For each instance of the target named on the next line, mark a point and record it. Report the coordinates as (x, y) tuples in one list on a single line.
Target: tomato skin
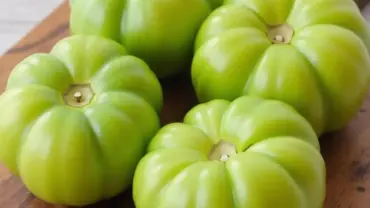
[(77, 152), (276, 163), (161, 32), (323, 70)]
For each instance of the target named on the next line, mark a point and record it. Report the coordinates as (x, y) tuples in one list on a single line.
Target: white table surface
[(17, 17)]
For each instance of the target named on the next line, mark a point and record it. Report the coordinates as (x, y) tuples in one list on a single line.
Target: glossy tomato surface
[(311, 54), (249, 153), (75, 121), (161, 32)]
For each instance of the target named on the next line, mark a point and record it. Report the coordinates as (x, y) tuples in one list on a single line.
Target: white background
[(17, 17)]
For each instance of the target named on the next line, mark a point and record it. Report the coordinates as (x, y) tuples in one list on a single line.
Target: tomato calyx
[(222, 151), (280, 34), (78, 95)]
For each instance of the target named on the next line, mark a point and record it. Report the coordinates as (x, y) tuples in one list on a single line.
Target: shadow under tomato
[(179, 97)]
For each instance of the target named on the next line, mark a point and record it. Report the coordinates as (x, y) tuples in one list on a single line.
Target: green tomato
[(75, 122), (248, 153), (161, 32), (215, 3), (311, 54)]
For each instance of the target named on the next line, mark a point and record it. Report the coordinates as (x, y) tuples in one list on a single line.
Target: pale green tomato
[(311, 54), (75, 122), (250, 153), (161, 32)]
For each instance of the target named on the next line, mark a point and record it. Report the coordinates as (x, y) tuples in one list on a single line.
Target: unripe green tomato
[(311, 54), (75, 122), (248, 153), (161, 32)]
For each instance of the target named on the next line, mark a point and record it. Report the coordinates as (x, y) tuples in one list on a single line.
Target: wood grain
[(11, 32), (346, 152)]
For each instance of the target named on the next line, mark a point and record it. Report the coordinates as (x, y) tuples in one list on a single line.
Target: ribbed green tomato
[(75, 122), (161, 32), (311, 54), (247, 153), (215, 3)]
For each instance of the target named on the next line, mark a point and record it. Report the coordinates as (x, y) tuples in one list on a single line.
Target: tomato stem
[(78, 95), (224, 158), (222, 151), (281, 34), (279, 38)]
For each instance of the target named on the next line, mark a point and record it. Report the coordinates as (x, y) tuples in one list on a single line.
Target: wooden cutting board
[(347, 152)]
